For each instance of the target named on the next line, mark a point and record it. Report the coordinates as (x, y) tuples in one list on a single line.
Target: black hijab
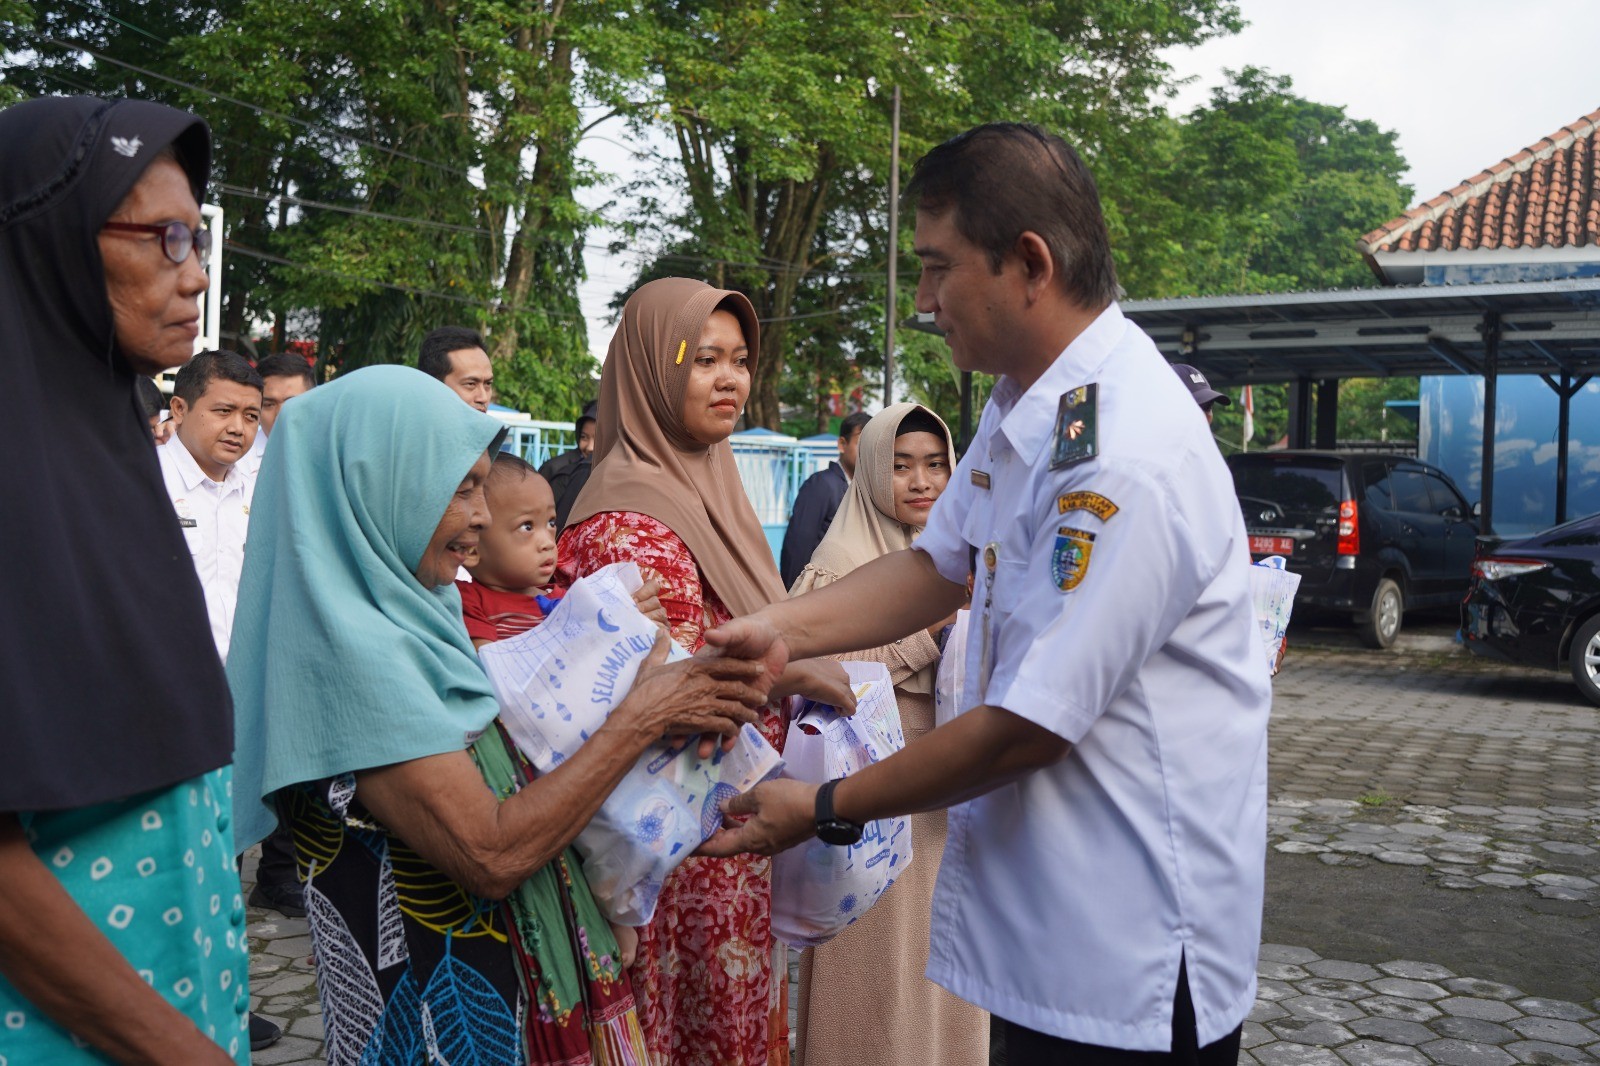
[(109, 679)]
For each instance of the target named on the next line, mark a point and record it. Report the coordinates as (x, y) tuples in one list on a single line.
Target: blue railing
[(772, 466)]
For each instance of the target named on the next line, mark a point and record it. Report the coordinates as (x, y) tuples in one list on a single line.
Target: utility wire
[(317, 127), (413, 290), (237, 190)]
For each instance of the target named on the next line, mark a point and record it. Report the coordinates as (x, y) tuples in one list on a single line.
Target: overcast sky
[(1464, 82)]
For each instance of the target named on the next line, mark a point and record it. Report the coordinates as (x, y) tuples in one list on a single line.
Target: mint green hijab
[(341, 660)]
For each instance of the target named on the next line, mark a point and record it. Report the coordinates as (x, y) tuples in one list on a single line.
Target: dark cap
[(591, 413), (1199, 387)]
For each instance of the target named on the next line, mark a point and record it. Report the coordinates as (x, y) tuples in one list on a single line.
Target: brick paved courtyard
[(1433, 876)]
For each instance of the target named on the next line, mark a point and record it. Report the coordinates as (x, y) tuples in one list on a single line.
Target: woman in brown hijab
[(665, 494), (874, 969)]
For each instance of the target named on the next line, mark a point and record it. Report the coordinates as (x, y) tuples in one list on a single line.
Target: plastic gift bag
[(1272, 589), (556, 685), (817, 888), (949, 687)]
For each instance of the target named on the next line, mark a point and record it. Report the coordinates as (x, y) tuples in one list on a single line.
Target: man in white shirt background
[(283, 377), (1101, 891), (216, 413), (456, 356)]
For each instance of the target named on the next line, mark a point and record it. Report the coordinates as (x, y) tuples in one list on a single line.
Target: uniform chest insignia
[(1075, 439), (980, 478), (1070, 560), (1092, 502)]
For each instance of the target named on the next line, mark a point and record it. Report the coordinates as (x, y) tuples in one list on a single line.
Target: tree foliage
[(387, 168)]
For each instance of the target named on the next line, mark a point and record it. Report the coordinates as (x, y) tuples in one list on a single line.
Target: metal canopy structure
[(1315, 339), (1548, 327)]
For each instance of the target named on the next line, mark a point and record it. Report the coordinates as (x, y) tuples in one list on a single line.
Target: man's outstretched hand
[(777, 816), (750, 637)]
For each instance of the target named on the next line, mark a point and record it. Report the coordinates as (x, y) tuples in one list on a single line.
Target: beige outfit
[(863, 996)]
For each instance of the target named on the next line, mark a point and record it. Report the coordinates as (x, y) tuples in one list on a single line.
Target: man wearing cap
[(1201, 389), (1101, 891)]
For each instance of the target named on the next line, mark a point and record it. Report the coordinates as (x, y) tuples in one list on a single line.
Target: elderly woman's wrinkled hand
[(696, 696)]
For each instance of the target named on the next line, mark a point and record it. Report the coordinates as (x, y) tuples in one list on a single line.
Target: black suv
[(1368, 534)]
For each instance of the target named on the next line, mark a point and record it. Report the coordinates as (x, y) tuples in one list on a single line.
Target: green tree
[(780, 113), (384, 168)]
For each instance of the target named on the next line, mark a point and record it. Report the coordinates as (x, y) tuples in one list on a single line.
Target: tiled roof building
[(1532, 216)]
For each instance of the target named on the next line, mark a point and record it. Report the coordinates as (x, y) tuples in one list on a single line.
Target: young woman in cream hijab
[(874, 969)]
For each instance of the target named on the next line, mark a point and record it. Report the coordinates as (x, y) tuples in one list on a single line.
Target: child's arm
[(627, 943)]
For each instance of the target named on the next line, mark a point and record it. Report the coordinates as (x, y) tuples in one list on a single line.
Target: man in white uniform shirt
[(283, 377), (216, 410), (1101, 890)]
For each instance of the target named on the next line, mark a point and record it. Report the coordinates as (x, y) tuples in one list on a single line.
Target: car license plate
[(1272, 546)]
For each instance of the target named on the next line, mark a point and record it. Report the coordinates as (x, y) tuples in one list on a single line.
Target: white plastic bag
[(556, 685), (1272, 589), (949, 687), (817, 888)]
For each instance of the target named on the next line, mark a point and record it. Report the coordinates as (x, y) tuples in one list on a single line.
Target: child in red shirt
[(510, 591)]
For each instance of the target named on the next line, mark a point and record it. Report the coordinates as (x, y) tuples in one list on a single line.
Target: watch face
[(839, 834)]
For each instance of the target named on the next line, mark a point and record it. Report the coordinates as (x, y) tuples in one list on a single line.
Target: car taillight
[(1349, 529), (1493, 569)]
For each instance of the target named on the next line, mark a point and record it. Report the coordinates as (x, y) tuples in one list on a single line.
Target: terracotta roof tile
[(1547, 195)]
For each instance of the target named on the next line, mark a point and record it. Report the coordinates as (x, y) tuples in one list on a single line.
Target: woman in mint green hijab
[(448, 916)]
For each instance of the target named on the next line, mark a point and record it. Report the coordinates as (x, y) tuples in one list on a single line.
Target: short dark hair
[(150, 397), (505, 464), (852, 424), (284, 365), (195, 376), (1007, 178), (434, 359)]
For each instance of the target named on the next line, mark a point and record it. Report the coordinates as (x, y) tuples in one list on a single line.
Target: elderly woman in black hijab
[(121, 922)]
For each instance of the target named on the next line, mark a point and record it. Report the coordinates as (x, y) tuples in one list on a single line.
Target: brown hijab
[(646, 461)]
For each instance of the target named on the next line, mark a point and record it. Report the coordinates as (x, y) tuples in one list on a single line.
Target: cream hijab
[(865, 527), (646, 461)]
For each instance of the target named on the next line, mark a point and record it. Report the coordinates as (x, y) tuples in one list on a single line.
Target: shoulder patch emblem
[(1075, 438), (1070, 561), (1092, 502)]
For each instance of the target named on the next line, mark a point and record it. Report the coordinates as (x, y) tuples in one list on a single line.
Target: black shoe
[(263, 1033), (288, 900)]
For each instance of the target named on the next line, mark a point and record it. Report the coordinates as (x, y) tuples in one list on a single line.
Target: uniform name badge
[(1075, 439), (1070, 560)]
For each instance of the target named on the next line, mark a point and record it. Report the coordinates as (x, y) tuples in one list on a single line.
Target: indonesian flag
[(1247, 401)]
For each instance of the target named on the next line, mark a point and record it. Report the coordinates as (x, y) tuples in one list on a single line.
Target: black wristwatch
[(831, 829)]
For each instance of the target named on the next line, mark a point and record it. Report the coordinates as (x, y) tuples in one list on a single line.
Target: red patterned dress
[(704, 982)]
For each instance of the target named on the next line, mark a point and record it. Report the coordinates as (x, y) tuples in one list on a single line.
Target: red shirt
[(492, 615)]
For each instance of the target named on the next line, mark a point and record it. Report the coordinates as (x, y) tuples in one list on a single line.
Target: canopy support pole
[(1491, 381)]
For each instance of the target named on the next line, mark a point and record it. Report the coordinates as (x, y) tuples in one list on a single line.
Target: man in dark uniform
[(818, 500), (569, 471)]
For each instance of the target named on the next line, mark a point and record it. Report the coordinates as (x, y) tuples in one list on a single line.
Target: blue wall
[(1451, 437)]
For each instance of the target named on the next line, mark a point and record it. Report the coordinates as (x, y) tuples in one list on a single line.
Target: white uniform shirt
[(214, 517), (250, 462), (1066, 900)]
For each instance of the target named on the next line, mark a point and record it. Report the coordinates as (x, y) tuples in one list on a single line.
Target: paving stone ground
[(1486, 780)]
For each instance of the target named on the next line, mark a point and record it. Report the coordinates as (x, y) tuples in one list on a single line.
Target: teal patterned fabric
[(156, 875)]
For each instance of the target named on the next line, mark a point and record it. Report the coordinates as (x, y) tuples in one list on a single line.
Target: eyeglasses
[(177, 239)]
